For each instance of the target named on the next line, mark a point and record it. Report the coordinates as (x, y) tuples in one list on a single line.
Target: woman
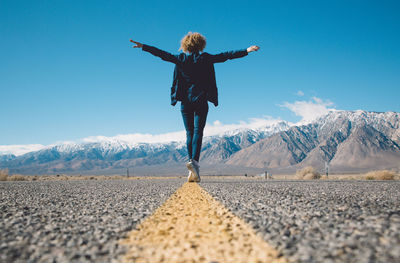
[(194, 85)]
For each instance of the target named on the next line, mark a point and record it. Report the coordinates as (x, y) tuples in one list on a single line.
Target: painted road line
[(191, 226)]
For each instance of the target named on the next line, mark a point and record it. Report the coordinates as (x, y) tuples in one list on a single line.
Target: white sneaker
[(191, 177), (194, 167)]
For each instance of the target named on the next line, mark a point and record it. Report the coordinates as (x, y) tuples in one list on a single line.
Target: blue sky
[(67, 69)]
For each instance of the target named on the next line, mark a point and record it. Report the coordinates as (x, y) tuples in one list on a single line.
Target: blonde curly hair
[(193, 42)]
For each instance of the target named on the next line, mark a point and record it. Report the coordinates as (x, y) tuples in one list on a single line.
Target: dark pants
[(194, 117)]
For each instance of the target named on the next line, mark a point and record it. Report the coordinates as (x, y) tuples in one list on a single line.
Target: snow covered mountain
[(116, 153), (347, 140)]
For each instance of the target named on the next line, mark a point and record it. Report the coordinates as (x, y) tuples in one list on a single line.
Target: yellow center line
[(191, 226)]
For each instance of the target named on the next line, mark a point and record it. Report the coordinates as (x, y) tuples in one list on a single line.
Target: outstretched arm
[(222, 57), (156, 52)]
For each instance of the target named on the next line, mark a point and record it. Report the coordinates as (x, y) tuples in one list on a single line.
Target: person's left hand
[(138, 45), (252, 48)]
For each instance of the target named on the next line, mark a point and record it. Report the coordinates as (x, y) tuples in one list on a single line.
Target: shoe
[(191, 177), (194, 167)]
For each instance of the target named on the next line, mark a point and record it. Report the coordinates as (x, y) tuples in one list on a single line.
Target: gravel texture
[(74, 221), (319, 221), (192, 227)]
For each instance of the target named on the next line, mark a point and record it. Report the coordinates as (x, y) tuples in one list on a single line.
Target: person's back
[(195, 74)]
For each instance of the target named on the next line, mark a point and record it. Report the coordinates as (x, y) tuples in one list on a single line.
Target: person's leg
[(200, 117), (188, 121)]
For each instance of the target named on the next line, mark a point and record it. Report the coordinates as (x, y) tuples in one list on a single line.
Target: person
[(194, 84)]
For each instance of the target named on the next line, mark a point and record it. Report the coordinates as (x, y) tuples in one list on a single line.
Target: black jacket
[(194, 74)]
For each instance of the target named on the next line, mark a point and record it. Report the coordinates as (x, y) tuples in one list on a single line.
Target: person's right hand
[(138, 45), (252, 48)]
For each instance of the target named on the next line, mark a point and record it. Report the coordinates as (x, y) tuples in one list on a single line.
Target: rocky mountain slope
[(118, 155), (348, 141), (345, 140)]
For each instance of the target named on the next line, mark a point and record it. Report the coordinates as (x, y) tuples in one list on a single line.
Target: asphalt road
[(318, 221), (74, 221)]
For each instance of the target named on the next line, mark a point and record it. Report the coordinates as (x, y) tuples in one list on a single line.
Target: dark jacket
[(194, 74)]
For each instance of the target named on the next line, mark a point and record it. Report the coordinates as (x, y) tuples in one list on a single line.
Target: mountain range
[(349, 141)]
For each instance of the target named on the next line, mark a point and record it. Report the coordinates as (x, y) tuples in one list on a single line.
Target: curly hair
[(193, 42)]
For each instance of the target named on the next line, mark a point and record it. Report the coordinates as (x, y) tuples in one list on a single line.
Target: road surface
[(303, 221)]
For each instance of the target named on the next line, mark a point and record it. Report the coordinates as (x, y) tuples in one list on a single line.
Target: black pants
[(194, 118)]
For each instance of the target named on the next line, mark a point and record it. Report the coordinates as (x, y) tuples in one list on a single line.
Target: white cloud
[(139, 138), (310, 110), (300, 93), (20, 149), (254, 123), (216, 128)]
